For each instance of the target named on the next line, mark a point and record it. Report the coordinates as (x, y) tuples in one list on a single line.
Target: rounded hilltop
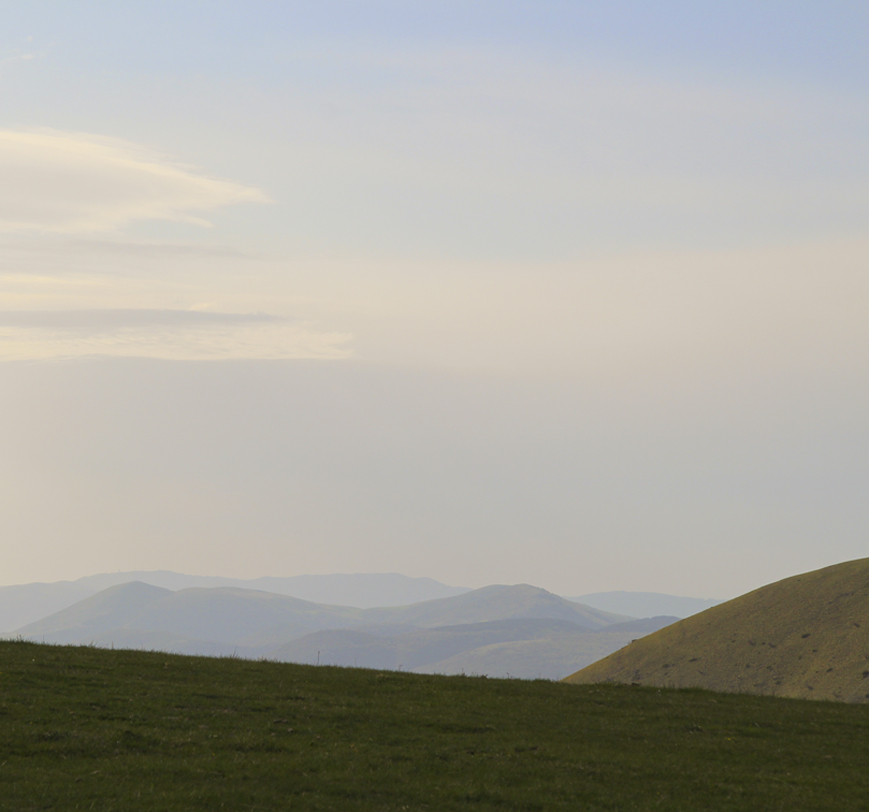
[(806, 636)]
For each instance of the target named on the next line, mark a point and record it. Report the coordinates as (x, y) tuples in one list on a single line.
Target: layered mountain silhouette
[(25, 603), (22, 604), (517, 630), (218, 614), (521, 647), (805, 636)]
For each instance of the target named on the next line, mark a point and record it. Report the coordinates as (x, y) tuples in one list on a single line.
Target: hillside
[(112, 608), (806, 636), (88, 728), (21, 604)]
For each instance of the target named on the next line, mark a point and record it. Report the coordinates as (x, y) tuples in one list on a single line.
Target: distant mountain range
[(806, 636), (526, 648), (26, 603), (519, 630)]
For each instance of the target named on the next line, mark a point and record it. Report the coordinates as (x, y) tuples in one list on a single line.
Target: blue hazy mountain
[(501, 626), (26, 603), (521, 647)]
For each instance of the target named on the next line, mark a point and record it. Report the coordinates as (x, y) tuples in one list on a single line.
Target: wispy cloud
[(63, 182), (22, 57), (92, 322), (169, 334), (26, 53), (94, 247)]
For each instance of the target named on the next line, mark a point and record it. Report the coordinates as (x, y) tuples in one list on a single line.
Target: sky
[(565, 293)]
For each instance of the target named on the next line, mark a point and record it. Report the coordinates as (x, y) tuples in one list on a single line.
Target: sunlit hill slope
[(806, 636)]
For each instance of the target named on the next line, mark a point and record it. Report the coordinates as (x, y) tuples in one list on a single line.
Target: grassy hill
[(88, 728), (806, 636)]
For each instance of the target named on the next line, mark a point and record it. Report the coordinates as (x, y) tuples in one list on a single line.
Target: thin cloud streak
[(106, 320), (164, 334), (601, 281), (68, 183), (65, 247), (25, 54)]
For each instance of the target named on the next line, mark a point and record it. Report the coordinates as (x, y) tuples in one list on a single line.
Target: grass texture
[(93, 729), (804, 637)]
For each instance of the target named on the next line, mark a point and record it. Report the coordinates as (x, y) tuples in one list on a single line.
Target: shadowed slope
[(806, 636)]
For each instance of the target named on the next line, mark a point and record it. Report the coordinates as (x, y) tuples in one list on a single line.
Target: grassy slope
[(806, 636), (84, 728)]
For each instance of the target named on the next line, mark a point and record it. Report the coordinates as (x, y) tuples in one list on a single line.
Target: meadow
[(84, 728)]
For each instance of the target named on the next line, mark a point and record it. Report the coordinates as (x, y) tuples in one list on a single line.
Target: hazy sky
[(567, 293)]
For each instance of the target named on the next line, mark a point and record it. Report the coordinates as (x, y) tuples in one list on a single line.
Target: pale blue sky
[(380, 127), (631, 238)]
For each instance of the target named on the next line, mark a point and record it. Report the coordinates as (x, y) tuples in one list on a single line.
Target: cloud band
[(60, 182), (168, 334)]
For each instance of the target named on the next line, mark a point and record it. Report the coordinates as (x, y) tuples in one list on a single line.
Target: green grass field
[(86, 728)]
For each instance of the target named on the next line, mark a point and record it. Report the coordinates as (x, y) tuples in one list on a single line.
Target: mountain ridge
[(207, 612), (21, 604), (254, 623)]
